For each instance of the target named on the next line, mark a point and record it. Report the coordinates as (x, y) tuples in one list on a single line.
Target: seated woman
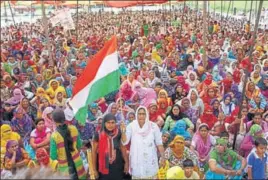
[(227, 105), (215, 103), (202, 143), (257, 119), (192, 113), (209, 94), (165, 139), (15, 157), (93, 112), (258, 102), (176, 153), (60, 101), (163, 107), (22, 123), (154, 114), (130, 117), (224, 162), (208, 117), (180, 129), (164, 95), (40, 136), (174, 116), (195, 101), (6, 135), (43, 159), (47, 116), (248, 142)]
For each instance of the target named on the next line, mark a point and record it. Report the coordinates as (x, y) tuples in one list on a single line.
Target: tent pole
[(76, 20), (221, 12), (205, 28), (228, 9), (250, 11), (5, 10), (12, 13), (182, 16), (196, 9)]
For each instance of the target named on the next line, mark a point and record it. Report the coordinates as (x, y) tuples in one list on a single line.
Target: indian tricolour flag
[(100, 77)]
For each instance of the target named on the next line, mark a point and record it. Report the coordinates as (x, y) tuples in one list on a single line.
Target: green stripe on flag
[(99, 89)]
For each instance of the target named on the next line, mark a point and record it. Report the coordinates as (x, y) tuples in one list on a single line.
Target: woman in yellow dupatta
[(54, 87), (6, 135)]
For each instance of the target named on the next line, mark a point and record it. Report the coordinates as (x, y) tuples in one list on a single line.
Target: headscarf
[(255, 129), (175, 172), (107, 153), (17, 97), (202, 147), (249, 94), (42, 156), (227, 108), (48, 74), (38, 84), (6, 135), (8, 84), (180, 129), (221, 141), (9, 155), (49, 122), (126, 91), (199, 105), (146, 95), (40, 92), (146, 128), (209, 119), (191, 83), (22, 126), (180, 150), (168, 141), (253, 79)]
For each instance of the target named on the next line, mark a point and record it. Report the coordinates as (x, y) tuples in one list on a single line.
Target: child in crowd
[(257, 160), (188, 167)]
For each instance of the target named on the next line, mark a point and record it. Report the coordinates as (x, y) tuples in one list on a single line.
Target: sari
[(203, 145), (23, 126)]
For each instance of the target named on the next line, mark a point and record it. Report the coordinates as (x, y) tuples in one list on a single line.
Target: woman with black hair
[(109, 150), (175, 115), (64, 145)]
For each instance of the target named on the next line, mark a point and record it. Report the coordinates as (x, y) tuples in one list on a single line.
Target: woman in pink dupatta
[(47, 116), (146, 95), (202, 142)]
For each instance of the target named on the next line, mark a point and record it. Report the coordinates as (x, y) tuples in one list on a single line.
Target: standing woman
[(146, 140), (109, 150), (64, 145)]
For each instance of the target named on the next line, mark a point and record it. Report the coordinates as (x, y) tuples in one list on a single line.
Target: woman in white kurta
[(145, 139)]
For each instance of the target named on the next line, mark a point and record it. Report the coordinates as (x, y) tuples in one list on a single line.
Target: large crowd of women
[(175, 115)]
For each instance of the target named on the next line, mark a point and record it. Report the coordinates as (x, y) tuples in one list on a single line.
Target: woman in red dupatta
[(111, 153), (210, 94), (207, 117)]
